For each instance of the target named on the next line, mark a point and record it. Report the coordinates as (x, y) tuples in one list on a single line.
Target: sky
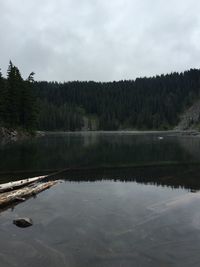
[(101, 40)]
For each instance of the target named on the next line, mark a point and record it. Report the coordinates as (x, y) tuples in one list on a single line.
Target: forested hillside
[(144, 103)]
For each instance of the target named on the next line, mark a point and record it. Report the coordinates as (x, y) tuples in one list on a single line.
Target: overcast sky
[(100, 40)]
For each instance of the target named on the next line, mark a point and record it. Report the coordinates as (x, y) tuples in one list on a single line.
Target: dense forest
[(144, 103), (17, 102)]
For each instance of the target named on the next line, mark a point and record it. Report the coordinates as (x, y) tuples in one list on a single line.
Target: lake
[(124, 199)]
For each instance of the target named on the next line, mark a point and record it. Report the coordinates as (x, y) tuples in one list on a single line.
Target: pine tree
[(28, 109), (19, 104), (14, 87), (2, 99)]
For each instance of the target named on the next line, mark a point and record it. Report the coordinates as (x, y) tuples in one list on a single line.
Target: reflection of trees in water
[(90, 139), (177, 176), (191, 145), (60, 151)]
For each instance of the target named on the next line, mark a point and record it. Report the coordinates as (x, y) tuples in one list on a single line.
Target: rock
[(23, 222), (7, 135), (190, 118)]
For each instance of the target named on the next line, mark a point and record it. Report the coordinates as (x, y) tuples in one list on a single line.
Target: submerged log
[(17, 184), (21, 194)]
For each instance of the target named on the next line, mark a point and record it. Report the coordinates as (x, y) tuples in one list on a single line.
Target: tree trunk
[(17, 184), (21, 194)]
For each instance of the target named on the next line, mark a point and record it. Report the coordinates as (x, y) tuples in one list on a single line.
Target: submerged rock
[(23, 222)]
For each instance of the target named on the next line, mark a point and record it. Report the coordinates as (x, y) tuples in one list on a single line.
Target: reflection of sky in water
[(59, 151), (104, 224)]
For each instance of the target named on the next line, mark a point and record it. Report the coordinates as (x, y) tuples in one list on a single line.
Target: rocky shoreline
[(9, 135)]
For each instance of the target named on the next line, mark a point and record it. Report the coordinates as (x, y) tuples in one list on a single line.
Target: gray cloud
[(99, 39)]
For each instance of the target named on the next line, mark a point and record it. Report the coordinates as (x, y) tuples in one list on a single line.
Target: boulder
[(23, 222)]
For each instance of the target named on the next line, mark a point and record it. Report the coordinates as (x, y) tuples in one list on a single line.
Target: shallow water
[(144, 216), (104, 223)]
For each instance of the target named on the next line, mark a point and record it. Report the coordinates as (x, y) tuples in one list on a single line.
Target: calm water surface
[(60, 151), (134, 216)]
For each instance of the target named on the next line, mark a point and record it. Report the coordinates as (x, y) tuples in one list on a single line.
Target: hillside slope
[(153, 103), (190, 118)]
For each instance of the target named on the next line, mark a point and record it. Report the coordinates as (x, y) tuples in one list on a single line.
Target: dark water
[(143, 211), (60, 151)]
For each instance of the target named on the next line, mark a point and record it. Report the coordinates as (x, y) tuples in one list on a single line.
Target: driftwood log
[(18, 195), (17, 184)]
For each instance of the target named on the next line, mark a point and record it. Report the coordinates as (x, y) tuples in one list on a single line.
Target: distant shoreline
[(134, 132), (10, 135)]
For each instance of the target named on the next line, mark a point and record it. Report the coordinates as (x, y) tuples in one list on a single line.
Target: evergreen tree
[(28, 108), (17, 103), (2, 99), (14, 87)]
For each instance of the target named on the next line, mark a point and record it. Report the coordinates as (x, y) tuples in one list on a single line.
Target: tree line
[(145, 103)]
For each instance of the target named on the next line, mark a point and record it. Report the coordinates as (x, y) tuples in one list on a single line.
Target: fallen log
[(21, 194), (17, 184)]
